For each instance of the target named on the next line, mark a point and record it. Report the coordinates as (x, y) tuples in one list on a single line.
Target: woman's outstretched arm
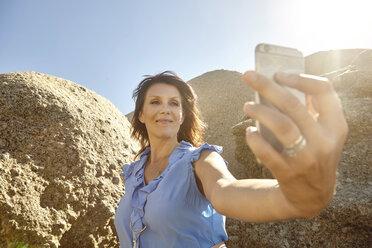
[(305, 182)]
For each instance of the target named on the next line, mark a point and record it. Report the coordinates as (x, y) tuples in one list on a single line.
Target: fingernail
[(248, 106), (251, 76), (250, 130), (258, 160)]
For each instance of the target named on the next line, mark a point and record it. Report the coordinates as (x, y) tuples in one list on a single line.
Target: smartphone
[(270, 59)]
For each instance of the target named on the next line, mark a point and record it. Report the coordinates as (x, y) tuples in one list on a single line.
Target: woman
[(180, 189)]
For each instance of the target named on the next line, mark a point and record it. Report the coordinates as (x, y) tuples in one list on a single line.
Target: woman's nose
[(165, 108)]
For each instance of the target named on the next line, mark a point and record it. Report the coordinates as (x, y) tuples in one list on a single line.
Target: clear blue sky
[(107, 45)]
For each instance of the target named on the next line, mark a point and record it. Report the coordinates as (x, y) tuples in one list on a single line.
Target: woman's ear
[(140, 118)]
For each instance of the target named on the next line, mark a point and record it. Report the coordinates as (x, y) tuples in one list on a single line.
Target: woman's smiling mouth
[(164, 121)]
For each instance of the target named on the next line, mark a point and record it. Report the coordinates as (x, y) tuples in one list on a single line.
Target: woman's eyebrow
[(173, 97)]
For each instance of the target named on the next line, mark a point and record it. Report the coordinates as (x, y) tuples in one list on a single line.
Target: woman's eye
[(175, 103), (154, 102)]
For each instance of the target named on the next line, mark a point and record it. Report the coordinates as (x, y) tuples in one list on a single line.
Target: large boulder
[(61, 151), (346, 222), (221, 95)]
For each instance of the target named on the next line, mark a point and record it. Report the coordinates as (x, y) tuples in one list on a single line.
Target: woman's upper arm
[(211, 173)]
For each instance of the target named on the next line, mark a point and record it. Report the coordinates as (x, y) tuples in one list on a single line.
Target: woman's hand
[(307, 180)]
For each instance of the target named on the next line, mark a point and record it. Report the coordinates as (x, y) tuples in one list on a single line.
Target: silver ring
[(292, 149)]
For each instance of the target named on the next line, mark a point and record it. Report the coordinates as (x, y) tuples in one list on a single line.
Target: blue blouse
[(170, 210)]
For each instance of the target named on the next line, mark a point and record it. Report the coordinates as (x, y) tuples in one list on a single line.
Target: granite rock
[(61, 151)]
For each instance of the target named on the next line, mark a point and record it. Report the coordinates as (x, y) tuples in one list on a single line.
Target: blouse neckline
[(172, 158), (142, 190)]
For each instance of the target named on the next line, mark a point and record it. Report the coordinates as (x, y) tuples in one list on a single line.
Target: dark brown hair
[(192, 129)]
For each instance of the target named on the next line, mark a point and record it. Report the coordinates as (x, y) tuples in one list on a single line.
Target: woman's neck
[(161, 149)]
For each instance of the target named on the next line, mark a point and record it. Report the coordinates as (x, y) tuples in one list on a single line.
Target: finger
[(328, 103), (290, 106), (264, 151), (310, 84), (280, 125)]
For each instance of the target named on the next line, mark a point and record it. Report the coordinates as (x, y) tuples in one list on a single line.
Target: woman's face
[(162, 111)]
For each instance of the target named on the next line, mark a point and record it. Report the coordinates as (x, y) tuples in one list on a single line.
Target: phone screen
[(270, 59)]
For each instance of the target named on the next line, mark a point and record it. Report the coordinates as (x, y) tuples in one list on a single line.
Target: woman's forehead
[(163, 90)]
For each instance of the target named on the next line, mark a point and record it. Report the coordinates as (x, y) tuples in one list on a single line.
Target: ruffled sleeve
[(196, 153), (127, 170)]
